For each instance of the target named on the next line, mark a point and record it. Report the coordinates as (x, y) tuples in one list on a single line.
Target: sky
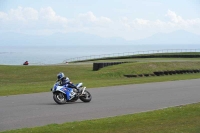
[(127, 19)]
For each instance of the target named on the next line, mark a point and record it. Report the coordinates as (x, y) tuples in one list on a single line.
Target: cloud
[(3, 16), (180, 22), (174, 18), (50, 15), (175, 22), (46, 21), (22, 14), (30, 14), (142, 21), (89, 19), (46, 18)]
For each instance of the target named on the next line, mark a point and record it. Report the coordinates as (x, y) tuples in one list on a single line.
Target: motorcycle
[(64, 94)]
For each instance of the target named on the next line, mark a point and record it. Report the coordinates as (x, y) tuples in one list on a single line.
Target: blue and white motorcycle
[(64, 94)]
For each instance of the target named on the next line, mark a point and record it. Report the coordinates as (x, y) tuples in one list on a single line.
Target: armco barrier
[(97, 66), (160, 53)]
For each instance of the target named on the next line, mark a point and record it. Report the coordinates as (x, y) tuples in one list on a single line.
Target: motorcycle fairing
[(68, 93), (65, 90)]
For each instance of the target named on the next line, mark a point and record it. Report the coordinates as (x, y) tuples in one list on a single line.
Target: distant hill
[(10, 38), (177, 37)]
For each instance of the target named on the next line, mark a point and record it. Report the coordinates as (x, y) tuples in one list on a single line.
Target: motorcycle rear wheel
[(59, 98)]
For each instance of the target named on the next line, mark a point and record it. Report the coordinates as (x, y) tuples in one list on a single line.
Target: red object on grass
[(26, 63)]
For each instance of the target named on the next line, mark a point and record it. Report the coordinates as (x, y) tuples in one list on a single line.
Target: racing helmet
[(60, 75)]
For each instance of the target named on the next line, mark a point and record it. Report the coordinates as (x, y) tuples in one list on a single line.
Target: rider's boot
[(78, 91)]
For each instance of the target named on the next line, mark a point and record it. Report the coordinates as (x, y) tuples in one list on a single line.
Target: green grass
[(33, 79), (181, 119), (143, 67)]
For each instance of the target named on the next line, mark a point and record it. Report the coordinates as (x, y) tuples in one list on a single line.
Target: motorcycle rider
[(65, 81)]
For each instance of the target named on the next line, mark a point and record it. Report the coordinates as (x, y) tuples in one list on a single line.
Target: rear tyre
[(59, 98), (86, 97)]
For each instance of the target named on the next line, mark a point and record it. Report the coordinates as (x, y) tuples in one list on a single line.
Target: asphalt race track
[(30, 110)]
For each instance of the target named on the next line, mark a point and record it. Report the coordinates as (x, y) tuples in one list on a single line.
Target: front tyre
[(86, 97), (59, 98)]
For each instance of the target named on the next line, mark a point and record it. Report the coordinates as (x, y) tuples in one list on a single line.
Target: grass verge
[(33, 79), (180, 119)]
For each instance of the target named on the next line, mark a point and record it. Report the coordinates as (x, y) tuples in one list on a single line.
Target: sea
[(45, 55)]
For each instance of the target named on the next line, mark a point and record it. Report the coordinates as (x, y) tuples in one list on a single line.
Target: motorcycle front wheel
[(86, 97), (59, 98)]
